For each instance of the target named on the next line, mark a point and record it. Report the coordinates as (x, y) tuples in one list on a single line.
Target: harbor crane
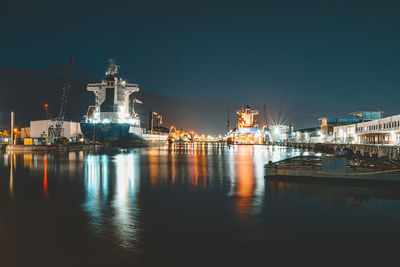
[(55, 131), (153, 124)]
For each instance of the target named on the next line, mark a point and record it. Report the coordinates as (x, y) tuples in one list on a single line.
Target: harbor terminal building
[(362, 127), (329, 123), (384, 131)]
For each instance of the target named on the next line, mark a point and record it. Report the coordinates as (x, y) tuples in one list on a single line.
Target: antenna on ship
[(112, 67)]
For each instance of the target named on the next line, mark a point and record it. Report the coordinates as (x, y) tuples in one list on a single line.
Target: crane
[(135, 101), (152, 125), (56, 131)]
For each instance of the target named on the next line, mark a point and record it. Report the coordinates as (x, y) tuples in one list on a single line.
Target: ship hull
[(118, 134)]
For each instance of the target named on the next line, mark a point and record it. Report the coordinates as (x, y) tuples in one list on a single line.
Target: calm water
[(204, 205)]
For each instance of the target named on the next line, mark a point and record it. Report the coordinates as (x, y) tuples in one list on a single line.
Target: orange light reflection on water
[(172, 167), (154, 166), (198, 165), (245, 180), (12, 167), (45, 189)]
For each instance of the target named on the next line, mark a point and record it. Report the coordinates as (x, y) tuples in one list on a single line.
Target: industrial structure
[(155, 123), (55, 130)]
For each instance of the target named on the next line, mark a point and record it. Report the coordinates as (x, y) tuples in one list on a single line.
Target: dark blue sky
[(304, 58)]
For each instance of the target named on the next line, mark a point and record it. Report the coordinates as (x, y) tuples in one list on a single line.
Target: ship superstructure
[(246, 117), (112, 102), (246, 131)]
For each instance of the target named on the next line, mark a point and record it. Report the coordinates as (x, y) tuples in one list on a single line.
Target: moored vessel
[(113, 119), (247, 131)]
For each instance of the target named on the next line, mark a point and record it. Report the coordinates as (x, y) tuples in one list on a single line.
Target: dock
[(312, 170), (389, 151), (52, 148)]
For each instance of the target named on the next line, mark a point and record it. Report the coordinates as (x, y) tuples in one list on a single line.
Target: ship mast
[(112, 67)]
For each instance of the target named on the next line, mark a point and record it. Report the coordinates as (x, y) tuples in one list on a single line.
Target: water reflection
[(93, 193), (179, 198), (124, 200), (111, 185), (188, 164), (333, 195), (198, 165), (237, 170), (12, 169), (245, 180), (172, 167), (45, 190), (46, 167), (154, 167)]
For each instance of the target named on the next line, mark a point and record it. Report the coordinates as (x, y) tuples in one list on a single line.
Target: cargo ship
[(247, 131), (113, 119)]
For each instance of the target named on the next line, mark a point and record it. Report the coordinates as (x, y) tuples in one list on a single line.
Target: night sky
[(303, 59)]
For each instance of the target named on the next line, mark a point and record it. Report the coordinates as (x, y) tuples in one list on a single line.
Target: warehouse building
[(329, 123), (40, 129), (380, 131)]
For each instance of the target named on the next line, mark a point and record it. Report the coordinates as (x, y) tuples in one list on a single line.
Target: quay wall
[(388, 151), (51, 148)]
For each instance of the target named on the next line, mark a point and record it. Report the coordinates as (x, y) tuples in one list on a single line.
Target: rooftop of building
[(356, 117), (307, 130)]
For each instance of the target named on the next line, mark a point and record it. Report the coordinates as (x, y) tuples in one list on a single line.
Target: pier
[(52, 148), (389, 151)]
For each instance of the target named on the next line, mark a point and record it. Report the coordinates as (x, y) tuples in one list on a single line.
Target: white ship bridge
[(112, 99)]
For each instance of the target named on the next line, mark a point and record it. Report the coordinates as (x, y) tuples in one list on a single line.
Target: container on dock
[(28, 141)]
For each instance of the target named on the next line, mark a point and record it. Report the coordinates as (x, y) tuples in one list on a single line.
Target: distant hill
[(25, 92)]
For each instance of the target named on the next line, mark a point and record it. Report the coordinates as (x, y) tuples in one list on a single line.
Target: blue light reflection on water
[(93, 191), (126, 212), (99, 179), (104, 162)]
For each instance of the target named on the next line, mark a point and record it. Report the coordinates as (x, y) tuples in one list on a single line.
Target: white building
[(307, 135), (381, 131), (279, 133), (70, 129)]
